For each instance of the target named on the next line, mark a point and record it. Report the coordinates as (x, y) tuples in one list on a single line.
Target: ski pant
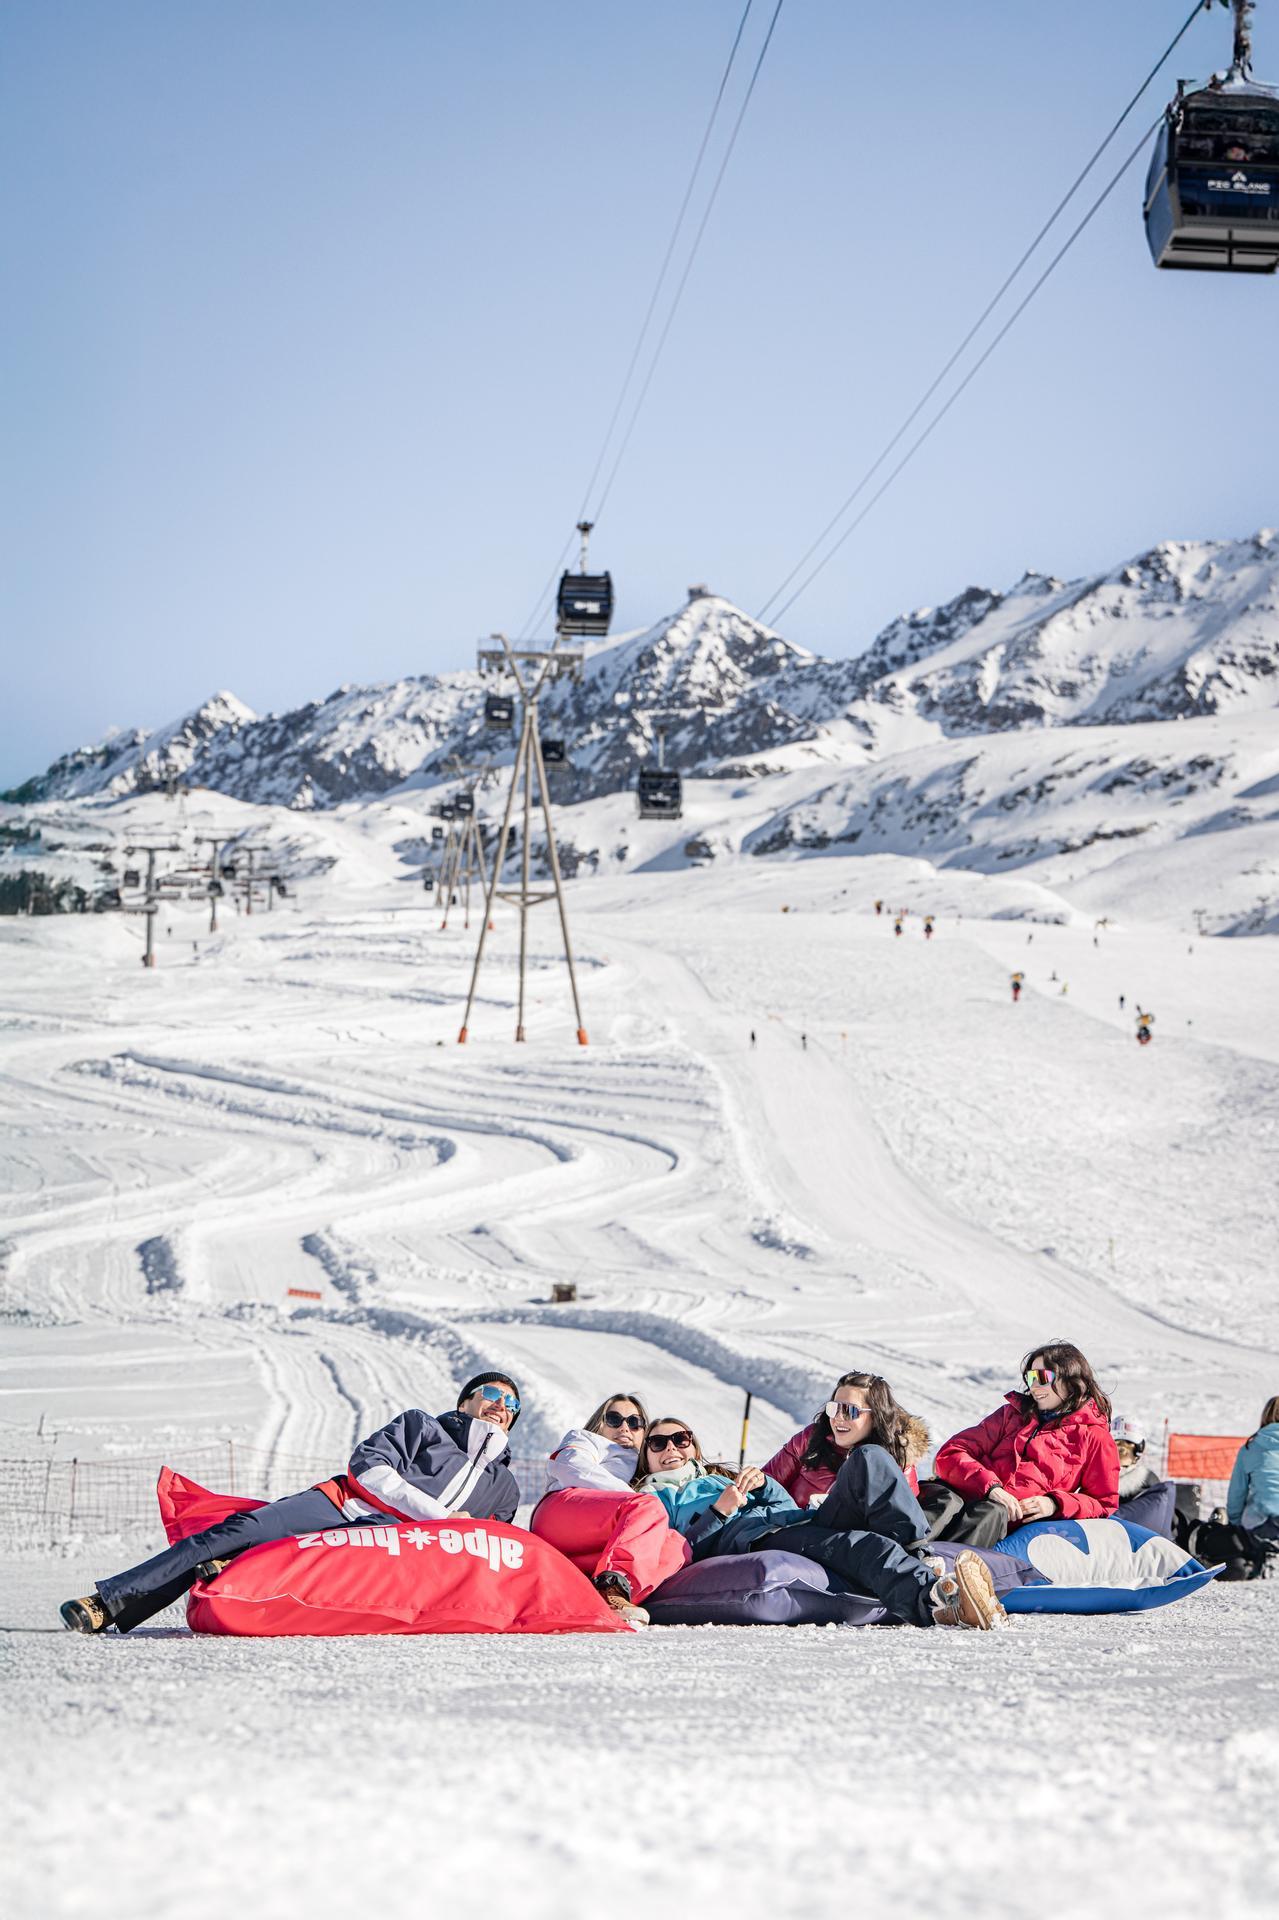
[(621, 1533), (864, 1531), (133, 1596), (977, 1523), (1153, 1507)]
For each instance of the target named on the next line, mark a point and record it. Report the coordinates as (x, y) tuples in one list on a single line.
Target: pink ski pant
[(612, 1533)]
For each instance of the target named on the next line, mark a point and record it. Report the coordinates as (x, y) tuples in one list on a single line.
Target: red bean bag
[(476, 1576)]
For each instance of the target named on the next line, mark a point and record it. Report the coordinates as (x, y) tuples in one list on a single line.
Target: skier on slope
[(1017, 979), (419, 1467)]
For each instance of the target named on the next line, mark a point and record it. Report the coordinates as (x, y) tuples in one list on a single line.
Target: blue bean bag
[(1100, 1566), (785, 1590)]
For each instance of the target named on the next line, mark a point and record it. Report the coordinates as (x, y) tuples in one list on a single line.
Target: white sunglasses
[(848, 1408)]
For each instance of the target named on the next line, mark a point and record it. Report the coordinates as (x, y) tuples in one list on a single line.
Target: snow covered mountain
[(1188, 629)]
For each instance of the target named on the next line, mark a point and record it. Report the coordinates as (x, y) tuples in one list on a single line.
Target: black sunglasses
[(619, 1420), (680, 1438)]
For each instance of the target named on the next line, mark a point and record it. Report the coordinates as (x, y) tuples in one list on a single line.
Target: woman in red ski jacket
[(1046, 1454), (860, 1408)]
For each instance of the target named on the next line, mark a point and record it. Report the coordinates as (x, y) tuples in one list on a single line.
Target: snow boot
[(86, 1615), (615, 1589), (966, 1597)]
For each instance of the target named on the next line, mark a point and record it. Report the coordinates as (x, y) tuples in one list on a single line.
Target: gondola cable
[(1201, 6), (973, 371), (544, 596)]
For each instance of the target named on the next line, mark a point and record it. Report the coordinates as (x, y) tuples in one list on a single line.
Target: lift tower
[(464, 849), (531, 668), (152, 895)]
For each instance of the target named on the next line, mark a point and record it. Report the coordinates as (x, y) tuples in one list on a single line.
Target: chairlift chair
[(499, 710), (1212, 192), (660, 794)]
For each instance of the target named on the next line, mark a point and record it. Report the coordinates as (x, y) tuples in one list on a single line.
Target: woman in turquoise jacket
[(716, 1509), (1253, 1499)]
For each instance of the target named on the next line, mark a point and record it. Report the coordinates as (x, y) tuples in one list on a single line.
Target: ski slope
[(905, 1172)]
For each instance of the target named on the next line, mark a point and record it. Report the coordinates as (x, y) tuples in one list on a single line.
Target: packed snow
[(905, 1171)]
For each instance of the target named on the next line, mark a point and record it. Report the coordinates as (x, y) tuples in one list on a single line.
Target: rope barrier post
[(746, 1427), (71, 1501)]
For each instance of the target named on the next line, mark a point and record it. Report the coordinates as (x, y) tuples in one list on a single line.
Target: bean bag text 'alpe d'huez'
[(423, 1577)]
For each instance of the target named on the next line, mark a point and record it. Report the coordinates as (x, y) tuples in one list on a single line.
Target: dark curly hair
[(888, 1424), (1074, 1376)]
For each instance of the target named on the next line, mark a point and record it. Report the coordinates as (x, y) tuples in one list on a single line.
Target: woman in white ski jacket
[(622, 1540)]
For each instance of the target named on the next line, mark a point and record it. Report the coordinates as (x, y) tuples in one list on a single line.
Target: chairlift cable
[(583, 514), (688, 264), (1199, 7), (973, 371)]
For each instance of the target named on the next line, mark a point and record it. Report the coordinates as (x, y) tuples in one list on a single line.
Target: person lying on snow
[(1046, 1454), (620, 1539), (419, 1467), (869, 1531), (808, 1462)]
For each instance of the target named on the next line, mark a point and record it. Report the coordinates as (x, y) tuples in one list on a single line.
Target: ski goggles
[(682, 1439), (498, 1396), (1039, 1376), (844, 1409), (619, 1420)]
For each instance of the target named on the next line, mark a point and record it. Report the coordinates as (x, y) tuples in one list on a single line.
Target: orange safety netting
[(1202, 1456)]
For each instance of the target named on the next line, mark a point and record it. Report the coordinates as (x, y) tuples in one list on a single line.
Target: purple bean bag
[(785, 1590)]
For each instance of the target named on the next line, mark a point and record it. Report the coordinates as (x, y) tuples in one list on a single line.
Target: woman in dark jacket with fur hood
[(1046, 1454)]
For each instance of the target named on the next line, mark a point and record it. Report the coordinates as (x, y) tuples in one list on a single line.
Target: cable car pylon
[(531, 668), (464, 850)]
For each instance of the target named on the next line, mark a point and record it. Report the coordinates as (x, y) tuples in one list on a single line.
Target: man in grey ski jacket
[(420, 1466)]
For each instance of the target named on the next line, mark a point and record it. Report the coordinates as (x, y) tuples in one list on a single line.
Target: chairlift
[(660, 794), (584, 604), (554, 753), (499, 710), (1212, 192)]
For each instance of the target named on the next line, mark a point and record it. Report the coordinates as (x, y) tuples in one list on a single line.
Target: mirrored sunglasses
[(619, 1420), (499, 1396), (849, 1409), (1039, 1376), (681, 1438)]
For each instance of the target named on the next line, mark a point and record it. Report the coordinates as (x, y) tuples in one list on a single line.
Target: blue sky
[(317, 310)]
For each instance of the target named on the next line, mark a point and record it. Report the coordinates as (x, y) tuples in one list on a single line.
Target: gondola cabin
[(428, 881), (660, 794), (132, 877), (447, 810), (585, 603), (1212, 193), (464, 806), (499, 710), (554, 753), (437, 834)]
